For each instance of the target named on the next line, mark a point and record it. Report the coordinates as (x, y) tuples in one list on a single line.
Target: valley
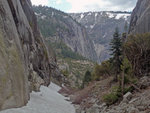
[(94, 61)]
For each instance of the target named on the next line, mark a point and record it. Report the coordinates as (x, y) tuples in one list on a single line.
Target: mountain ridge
[(60, 26), (100, 27), (99, 44)]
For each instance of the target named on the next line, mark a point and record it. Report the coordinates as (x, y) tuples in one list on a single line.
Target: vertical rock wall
[(140, 19), (24, 59)]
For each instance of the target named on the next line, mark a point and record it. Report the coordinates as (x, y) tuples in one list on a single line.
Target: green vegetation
[(87, 78), (51, 21), (65, 73), (137, 49), (63, 51), (74, 65), (116, 48), (112, 97), (103, 70), (130, 60), (54, 25), (130, 56), (76, 70), (115, 94)]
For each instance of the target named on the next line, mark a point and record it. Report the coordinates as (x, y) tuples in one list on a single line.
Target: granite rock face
[(24, 59), (140, 19), (57, 26), (100, 27)]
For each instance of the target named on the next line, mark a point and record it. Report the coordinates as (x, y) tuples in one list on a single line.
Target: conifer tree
[(87, 78), (116, 49)]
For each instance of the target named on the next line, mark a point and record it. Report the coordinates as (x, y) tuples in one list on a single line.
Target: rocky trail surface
[(48, 100)]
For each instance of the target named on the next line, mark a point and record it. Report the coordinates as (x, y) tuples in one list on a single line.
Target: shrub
[(128, 89), (103, 70), (65, 73), (137, 49), (114, 96), (87, 78), (110, 98), (126, 67)]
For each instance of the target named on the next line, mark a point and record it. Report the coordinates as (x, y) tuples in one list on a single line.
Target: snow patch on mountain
[(124, 16), (96, 14), (118, 15), (90, 13), (110, 15), (81, 16), (92, 26)]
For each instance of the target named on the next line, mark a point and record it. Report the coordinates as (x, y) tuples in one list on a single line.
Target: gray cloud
[(122, 4)]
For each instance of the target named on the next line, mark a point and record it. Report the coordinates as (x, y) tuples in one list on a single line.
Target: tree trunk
[(122, 83)]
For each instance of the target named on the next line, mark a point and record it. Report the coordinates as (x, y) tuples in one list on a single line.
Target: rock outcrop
[(140, 103), (140, 17), (135, 102), (24, 59)]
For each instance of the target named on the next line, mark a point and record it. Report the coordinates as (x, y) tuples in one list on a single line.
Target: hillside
[(74, 51), (100, 27), (57, 25), (130, 93), (72, 65)]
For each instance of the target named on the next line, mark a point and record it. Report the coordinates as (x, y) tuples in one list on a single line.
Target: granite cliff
[(58, 26), (25, 62), (140, 17)]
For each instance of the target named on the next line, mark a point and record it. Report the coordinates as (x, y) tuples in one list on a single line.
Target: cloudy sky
[(88, 5)]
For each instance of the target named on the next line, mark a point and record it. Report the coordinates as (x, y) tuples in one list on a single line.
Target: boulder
[(144, 82), (127, 96)]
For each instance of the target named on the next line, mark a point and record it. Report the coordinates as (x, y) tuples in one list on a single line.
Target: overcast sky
[(88, 5)]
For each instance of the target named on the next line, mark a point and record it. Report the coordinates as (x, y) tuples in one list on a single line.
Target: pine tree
[(87, 78), (116, 49)]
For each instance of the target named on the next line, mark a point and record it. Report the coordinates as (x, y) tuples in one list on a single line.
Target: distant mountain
[(100, 27), (58, 26), (88, 34)]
